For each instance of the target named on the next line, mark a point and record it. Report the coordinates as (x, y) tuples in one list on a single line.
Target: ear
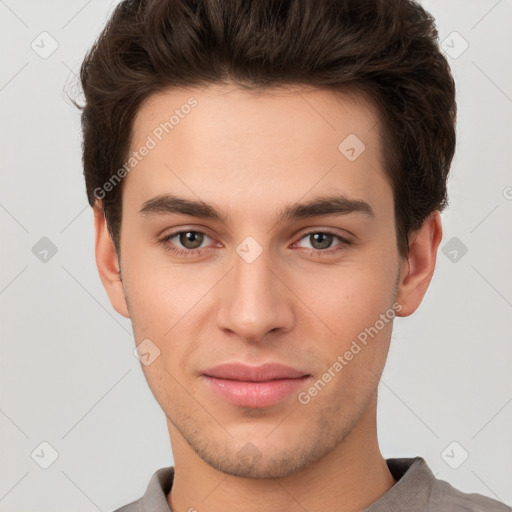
[(417, 268), (107, 263)]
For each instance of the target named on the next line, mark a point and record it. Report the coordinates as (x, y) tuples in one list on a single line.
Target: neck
[(348, 479)]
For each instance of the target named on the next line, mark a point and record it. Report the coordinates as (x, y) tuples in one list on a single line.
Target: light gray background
[(68, 374)]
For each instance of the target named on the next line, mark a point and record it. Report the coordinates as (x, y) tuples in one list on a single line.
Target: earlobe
[(107, 263), (417, 270)]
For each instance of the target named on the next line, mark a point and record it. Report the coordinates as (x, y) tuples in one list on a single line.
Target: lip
[(254, 386), (264, 372)]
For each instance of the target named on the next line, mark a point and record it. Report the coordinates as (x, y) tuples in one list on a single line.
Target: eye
[(321, 242), (189, 243), (190, 240)]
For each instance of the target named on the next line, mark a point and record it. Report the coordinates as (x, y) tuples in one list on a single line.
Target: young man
[(266, 178)]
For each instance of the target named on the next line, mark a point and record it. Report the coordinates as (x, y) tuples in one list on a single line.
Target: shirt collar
[(413, 478)]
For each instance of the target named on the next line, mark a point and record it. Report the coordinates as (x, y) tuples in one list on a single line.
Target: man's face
[(261, 289)]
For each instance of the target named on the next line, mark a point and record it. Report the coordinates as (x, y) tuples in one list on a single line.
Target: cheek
[(164, 293), (346, 298), (165, 302), (328, 300)]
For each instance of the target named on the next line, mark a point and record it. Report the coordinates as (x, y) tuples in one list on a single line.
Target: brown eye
[(322, 243), (185, 243), (191, 239), (321, 240)]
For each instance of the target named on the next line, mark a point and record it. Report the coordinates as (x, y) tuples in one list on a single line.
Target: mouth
[(254, 386)]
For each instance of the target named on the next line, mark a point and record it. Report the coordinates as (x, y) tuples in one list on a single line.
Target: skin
[(249, 155)]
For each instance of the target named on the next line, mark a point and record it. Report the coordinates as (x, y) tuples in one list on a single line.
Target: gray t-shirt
[(416, 490)]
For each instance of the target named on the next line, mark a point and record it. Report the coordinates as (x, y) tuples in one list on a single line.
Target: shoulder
[(155, 497), (446, 497), (418, 489), (135, 506)]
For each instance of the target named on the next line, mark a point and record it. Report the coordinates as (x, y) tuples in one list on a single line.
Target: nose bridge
[(254, 301)]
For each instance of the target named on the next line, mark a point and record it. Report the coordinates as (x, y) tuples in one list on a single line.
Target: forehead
[(218, 142), (237, 112)]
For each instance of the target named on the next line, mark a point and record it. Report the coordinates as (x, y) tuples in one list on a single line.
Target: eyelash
[(198, 252)]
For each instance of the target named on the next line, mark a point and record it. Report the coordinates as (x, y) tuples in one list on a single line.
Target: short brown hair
[(386, 49)]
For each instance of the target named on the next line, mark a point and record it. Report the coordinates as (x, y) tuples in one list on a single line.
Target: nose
[(255, 299)]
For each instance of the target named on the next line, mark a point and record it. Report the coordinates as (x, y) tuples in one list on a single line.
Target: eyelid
[(184, 229), (342, 244), (344, 234), (172, 234), (299, 235), (183, 252)]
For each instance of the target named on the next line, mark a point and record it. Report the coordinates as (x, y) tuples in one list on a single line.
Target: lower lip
[(255, 394)]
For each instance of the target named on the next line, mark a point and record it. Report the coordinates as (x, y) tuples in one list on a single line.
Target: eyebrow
[(326, 205)]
